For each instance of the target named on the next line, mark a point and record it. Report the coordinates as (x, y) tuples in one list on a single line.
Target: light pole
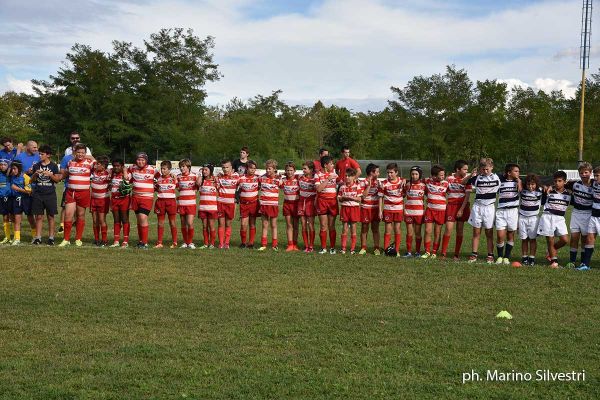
[(584, 62)]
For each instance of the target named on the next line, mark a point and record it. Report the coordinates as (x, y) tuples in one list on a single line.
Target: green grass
[(131, 324)]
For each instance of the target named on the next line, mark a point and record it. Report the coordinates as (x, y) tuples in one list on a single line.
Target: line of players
[(435, 202)]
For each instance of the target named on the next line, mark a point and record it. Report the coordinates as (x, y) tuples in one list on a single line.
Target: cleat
[(203, 247), (36, 241), (342, 251), (489, 259), (262, 248), (570, 265), (5, 241), (433, 256), (323, 251), (352, 252), (583, 267), (290, 248), (50, 242), (456, 258), (525, 261), (499, 261), (222, 246), (554, 265), (472, 259), (64, 243), (158, 246), (275, 248), (192, 246), (398, 255), (115, 244), (15, 243), (532, 263), (505, 261), (96, 243), (184, 246), (227, 246), (296, 248), (426, 255), (307, 249), (407, 255), (362, 252), (142, 246), (124, 245), (78, 243), (417, 254), (173, 246), (61, 229), (243, 246), (377, 252), (332, 251), (212, 246), (248, 246)]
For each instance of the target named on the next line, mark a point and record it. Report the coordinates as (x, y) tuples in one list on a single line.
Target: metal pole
[(581, 116)]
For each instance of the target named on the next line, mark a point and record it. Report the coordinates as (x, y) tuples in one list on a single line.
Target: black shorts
[(21, 205), (44, 202), (5, 205)]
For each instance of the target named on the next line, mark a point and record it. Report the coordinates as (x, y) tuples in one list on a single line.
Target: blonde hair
[(486, 162), (272, 163), (185, 162)]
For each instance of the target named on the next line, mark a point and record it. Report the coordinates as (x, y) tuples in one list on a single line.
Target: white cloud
[(12, 84), (548, 85)]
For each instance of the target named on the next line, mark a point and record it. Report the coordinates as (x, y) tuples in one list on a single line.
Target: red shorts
[(452, 209), (327, 206), (186, 210), (393, 216), (165, 207), (306, 207), (249, 209), (435, 216), (226, 210), (120, 203), (203, 214), (269, 211), (414, 219), (101, 205), (290, 208), (350, 214), (81, 198), (368, 215), (141, 205)]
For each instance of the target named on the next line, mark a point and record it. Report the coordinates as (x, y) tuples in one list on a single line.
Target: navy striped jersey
[(530, 202), (582, 195), (508, 193), (596, 203), (556, 203), (486, 187)]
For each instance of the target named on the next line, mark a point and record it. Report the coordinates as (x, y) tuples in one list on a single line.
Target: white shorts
[(528, 227), (594, 225), (580, 221), (507, 218), (552, 225), (482, 216)]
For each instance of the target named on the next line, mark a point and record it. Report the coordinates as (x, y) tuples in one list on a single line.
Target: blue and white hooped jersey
[(530, 202), (508, 193), (485, 187), (556, 203), (596, 199), (582, 195)]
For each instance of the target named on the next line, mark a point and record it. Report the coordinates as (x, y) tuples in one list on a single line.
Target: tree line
[(153, 98)]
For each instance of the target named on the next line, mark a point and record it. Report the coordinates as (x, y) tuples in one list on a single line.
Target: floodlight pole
[(584, 58)]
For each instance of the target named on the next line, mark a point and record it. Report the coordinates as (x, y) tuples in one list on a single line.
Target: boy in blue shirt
[(5, 193)]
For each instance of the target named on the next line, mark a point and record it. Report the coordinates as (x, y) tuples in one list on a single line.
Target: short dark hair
[(250, 162), (104, 160), (6, 139), (326, 160), (560, 175), (45, 148), (350, 172), (79, 146), (246, 149), (458, 164), (436, 169), (371, 167), (166, 163), (310, 165), (74, 133), (345, 147), (225, 161), (118, 160), (509, 167), (532, 178), (322, 150), (393, 166)]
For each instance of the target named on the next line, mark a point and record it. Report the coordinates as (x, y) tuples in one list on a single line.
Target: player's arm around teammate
[(457, 210), (594, 224), (369, 209), (349, 197), (435, 215), (291, 194), (269, 204), (414, 210)]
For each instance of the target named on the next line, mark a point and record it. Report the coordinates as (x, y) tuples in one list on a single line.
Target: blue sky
[(348, 52)]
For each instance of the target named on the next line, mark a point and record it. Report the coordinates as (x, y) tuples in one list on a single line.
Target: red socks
[(79, 227), (409, 239), (445, 241), (68, 227), (144, 236), (117, 231), (344, 241), (252, 234), (205, 236), (126, 229), (352, 242), (418, 241), (323, 237), (397, 241), (227, 235), (332, 237), (305, 238), (428, 247), (243, 235), (221, 236), (457, 245), (386, 240), (96, 232), (213, 236)]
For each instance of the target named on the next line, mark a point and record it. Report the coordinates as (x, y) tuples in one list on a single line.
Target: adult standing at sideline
[(323, 152), (239, 165), (74, 138), (29, 157), (9, 151), (344, 163)]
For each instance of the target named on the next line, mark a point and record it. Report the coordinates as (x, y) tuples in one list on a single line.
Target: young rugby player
[(141, 175), (391, 206), (269, 204), (207, 206), (5, 199), (326, 205), (507, 214), (21, 197), (166, 205), (187, 184), (458, 209), (100, 201), (435, 215), (529, 208), (369, 209), (45, 174), (306, 204), (349, 196), (582, 210), (291, 196), (119, 204), (486, 185), (249, 205), (552, 222), (227, 183), (594, 224), (414, 210)]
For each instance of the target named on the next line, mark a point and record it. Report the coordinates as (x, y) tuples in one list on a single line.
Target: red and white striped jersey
[(308, 186), (80, 173), (248, 187), (165, 187), (115, 182), (208, 195), (269, 190), (291, 189), (186, 185), (142, 180), (226, 186), (393, 194), (436, 194), (456, 190), (100, 181), (352, 190), (330, 191), (371, 199), (415, 198)]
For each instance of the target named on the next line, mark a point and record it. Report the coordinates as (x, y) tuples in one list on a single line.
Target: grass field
[(133, 324)]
